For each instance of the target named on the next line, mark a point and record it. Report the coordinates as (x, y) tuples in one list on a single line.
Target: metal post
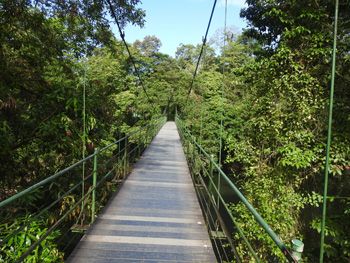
[(140, 143), (153, 128), (211, 172), (119, 159), (94, 187), (188, 147), (323, 222), (168, 107), (125, 156), (219, 186), (194, 152), (147, 135)]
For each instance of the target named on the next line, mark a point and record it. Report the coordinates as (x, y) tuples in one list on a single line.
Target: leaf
[(10, 242), (28, 241)]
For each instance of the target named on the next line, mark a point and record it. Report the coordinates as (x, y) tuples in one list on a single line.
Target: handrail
[(288, 253), (49, 179), (134, 144)]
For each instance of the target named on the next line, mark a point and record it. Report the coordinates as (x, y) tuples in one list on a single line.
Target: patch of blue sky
[(183, 21)]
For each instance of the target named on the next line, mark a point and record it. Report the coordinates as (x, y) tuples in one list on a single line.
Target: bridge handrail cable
[(186, 135), (137, 141)]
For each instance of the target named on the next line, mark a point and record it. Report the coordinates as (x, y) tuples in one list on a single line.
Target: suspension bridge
[(152, 196), (154, 215), (168, 207)]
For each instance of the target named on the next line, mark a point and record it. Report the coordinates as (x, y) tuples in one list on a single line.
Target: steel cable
[(209, 215), (122, 35), (200, 54)]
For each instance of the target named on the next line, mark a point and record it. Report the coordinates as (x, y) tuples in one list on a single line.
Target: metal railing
[(203, 168), (104, 170)]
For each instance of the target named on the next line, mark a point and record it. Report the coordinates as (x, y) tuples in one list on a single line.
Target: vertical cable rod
[(202, 102), (223, 84), (222, 99), (84, 96), (323, 224)]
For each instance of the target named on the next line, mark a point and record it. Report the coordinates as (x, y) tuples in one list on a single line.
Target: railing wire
[(104, 171), (195, 155)]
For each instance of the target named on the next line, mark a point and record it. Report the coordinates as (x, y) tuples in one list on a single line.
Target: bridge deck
[(154, 216)]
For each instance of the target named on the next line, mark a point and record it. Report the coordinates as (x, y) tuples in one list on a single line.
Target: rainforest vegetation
[(276, 79)]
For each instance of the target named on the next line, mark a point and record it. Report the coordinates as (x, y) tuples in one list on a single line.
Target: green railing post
[(152, 127), (193, 154), (93, 176), (285, 250), (153, 130), (119, 159), (125, 156), (219, 186), (188, 147), (94, 187), (330, 114), (140, 143), (147, 135), (211, 172)]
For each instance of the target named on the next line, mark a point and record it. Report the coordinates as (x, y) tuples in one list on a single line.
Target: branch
[(32, 136), (345, 78)]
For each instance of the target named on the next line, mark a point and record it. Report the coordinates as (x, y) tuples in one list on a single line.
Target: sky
[(183, 21)]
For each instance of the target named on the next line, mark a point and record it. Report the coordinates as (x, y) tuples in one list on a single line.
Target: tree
[(149, 46), (148, 55), (286, 130), (294, 22), (40, 81), (186, 56), (217, 40)]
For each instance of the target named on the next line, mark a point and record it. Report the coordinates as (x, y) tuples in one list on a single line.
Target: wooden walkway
[(154, 216)]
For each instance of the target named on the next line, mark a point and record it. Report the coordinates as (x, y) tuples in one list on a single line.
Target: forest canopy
[(276, 96)]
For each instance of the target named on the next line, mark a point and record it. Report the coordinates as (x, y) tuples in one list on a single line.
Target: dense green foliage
[(41, 84), (47, 49), (275, 106), (291, 84), (275, 122), (47, 250)]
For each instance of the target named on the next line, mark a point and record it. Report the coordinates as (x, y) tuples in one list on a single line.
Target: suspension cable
[(200, 54), (122, 35), (223, 84), (202, 102), (222, 99)]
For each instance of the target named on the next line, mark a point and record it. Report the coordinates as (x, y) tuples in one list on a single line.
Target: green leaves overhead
[(149, 46), (275, 119), (276, 84), (295, 22), (42, 44)]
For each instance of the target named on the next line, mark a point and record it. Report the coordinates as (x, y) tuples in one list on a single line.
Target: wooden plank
[(154, 216)]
